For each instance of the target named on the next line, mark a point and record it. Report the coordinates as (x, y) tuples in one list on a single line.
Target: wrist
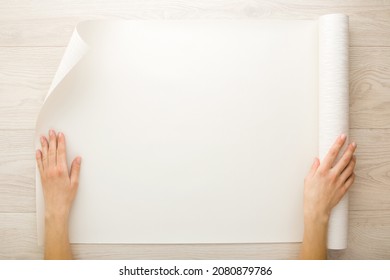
[(58, 219), (317, 218)]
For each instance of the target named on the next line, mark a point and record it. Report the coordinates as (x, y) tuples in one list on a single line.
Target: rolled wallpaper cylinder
[(334, 106)]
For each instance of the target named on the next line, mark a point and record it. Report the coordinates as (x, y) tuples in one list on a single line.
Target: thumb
[(75, 171)]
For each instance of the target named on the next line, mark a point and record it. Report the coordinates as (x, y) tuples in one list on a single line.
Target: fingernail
[(38, 153), (353, 145), (343, 136), (78, 160), (42, 140), (51, 132), (60, 134)]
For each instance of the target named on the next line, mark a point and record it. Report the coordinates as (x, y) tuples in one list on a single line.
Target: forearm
[(57, 245), (314, 245)]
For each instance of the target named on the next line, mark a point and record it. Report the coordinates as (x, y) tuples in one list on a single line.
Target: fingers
[(314, 166), (38, 157), (349, 182), (52, 154), (333, 152), (347, 172), (346, 158), (61, 152), (45, 149), (75, 172)]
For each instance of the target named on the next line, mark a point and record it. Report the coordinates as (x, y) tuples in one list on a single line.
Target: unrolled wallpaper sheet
[(198, 131)]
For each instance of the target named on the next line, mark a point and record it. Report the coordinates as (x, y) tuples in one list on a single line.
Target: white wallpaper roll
[(334, 106), (205, 176)]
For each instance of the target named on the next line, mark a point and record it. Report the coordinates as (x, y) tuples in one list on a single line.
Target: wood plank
[(17, 171), (370, 87), (371, 190), (19, 236), (369, 236), (50, 23), (26, 75)]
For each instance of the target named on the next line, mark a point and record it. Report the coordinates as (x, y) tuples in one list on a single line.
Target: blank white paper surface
[(190, 131)]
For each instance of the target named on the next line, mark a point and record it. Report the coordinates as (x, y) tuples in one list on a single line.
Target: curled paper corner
[(74, 51)]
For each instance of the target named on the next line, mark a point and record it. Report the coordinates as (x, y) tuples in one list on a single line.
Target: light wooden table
[(33, 36)]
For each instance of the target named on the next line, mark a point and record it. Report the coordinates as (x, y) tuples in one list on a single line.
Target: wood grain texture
[(19, 236), (51, 22), (25, 78), (17, 171), (370, 87), (371, 190), (33, 36), (369, 236)]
